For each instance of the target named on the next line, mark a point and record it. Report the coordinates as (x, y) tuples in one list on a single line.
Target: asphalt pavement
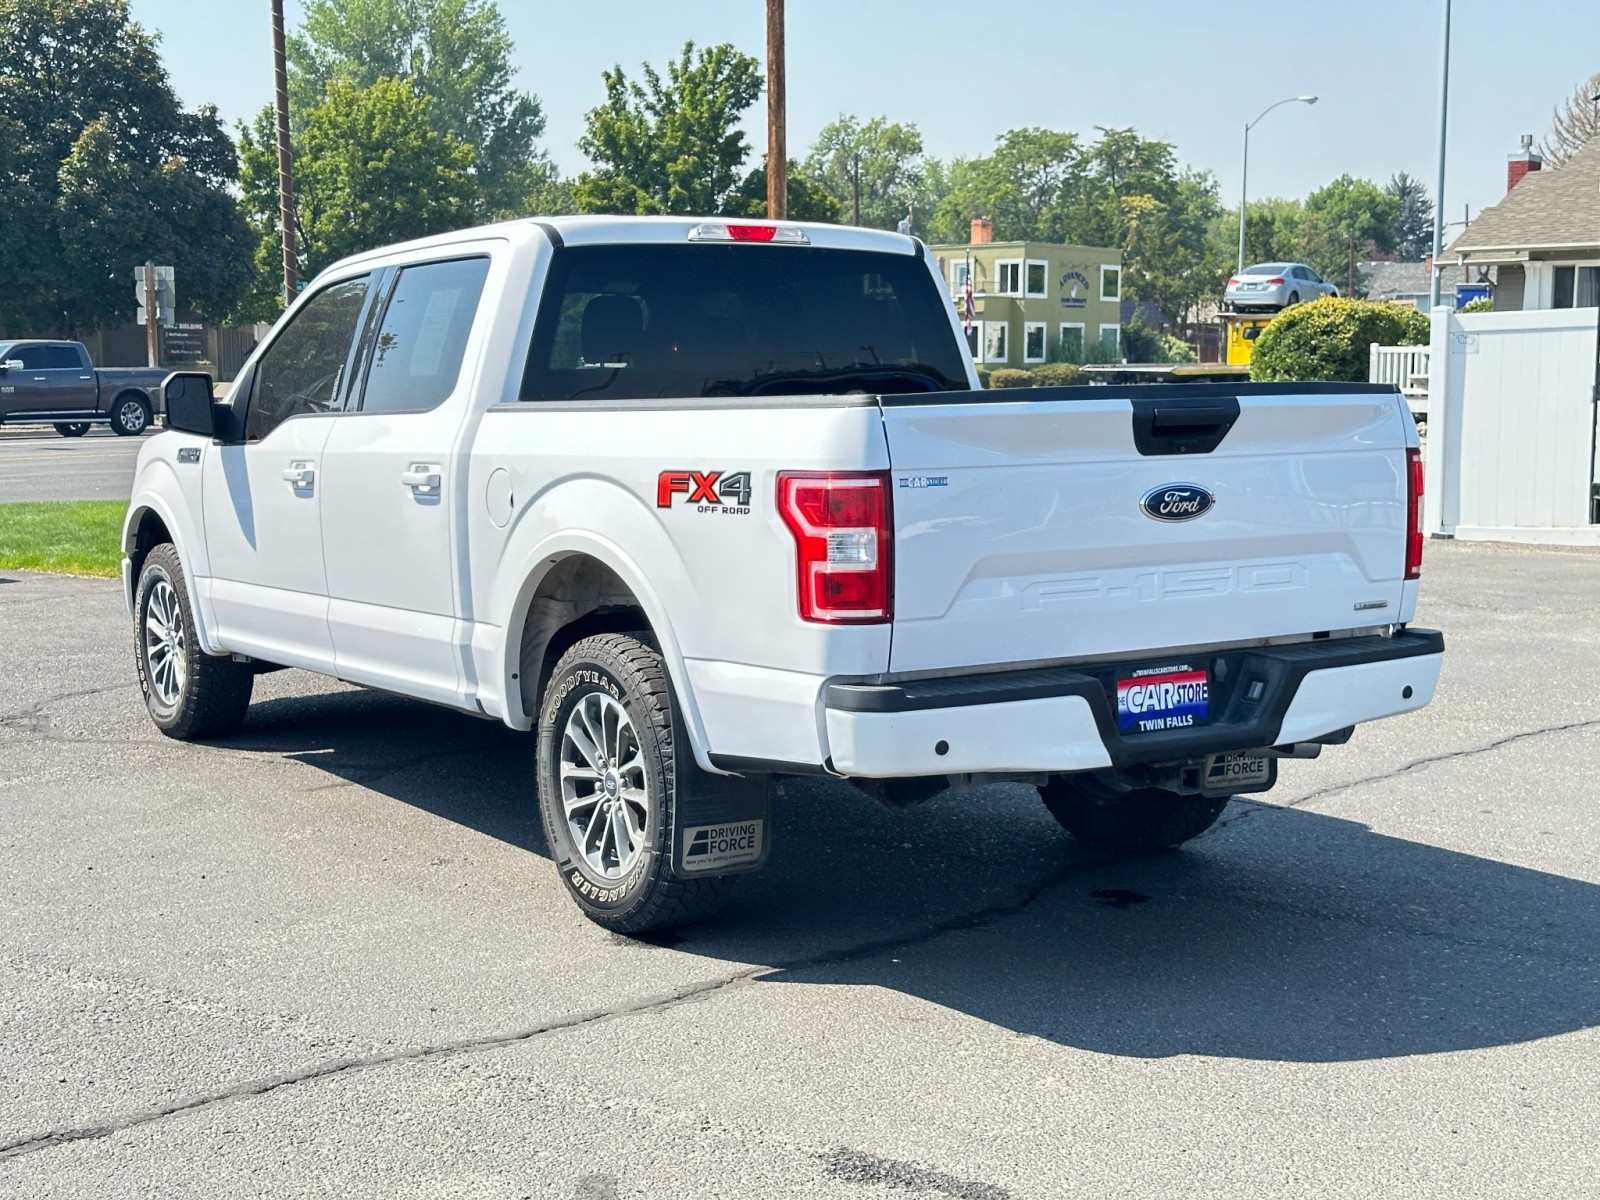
[(37, 463), (329, 956)]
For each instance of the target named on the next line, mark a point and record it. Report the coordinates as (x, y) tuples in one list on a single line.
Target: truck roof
[(603, 230)]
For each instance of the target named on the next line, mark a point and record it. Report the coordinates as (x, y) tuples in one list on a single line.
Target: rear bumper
[(1064, 719)]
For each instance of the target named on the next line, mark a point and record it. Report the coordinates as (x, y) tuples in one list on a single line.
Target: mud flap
[(722, 823)]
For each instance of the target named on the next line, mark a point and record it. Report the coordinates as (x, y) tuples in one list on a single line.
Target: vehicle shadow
[(1282, 935)]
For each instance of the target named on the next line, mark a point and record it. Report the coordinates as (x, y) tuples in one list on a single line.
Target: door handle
[(300, 474), (423, 478)]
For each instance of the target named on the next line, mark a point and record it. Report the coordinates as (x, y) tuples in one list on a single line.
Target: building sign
[(1074, 288), (184, 342)]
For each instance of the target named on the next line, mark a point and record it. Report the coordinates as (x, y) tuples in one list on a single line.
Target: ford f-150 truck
[(54, 383), (709, 503)]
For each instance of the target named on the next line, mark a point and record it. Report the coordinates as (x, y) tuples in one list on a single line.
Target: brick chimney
[(982, 231), (1523, 162)]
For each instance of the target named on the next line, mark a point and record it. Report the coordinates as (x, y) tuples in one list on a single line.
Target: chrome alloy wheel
[(130, 415), (165, 647), (604, 792)]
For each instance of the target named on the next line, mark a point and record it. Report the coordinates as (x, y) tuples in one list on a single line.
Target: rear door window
[(675, 321), (416, 356)]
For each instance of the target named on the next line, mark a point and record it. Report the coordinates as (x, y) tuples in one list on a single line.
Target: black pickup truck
[(54, 383)]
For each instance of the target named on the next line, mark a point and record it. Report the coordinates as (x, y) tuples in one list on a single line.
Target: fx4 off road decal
[(705, 491)]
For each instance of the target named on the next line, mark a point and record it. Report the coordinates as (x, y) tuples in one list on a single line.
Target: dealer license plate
[(1174, 696), (1239, 772)]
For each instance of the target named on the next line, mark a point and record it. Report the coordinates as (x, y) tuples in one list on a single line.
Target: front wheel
[(189, 694), (130, 416), (1140, 820), (606, 745), (72, 428)]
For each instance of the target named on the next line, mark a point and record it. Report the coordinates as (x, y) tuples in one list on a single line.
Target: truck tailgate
[(1021, 530)]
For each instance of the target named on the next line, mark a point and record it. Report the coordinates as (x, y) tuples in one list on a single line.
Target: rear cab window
[(653, 321)]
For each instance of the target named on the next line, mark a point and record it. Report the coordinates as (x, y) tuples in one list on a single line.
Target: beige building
[(1033, 302)]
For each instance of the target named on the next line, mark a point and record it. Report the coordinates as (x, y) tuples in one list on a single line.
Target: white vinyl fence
[(1511, 426), (1404, 367)]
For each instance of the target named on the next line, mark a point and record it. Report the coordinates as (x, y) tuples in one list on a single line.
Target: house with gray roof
[(1544, 237)]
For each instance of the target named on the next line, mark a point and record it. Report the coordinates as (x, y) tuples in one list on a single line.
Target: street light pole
[(1244, 177), (291, 260), (1436, 269)]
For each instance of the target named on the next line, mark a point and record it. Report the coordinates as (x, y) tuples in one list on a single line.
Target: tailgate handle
[(1181, 425)]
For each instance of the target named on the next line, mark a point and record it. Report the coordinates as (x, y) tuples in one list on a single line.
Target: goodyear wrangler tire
[(606, 744), (1141, 820), (189, 694)]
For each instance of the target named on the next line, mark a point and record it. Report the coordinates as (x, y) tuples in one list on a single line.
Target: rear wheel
[(130, 415), (1140, 820), (1294, 297), (72, 428), (606, 745), (189, 694)]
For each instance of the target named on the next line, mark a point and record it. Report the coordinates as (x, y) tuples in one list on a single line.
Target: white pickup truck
[(708, 503)]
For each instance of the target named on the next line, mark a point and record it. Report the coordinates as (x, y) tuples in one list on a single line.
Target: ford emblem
[(1177, 502)]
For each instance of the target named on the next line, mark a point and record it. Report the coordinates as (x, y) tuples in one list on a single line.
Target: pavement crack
[(33, 719), (1023, 900), (1418, 764)]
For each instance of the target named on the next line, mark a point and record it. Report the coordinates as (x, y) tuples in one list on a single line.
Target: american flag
[(968, 310)]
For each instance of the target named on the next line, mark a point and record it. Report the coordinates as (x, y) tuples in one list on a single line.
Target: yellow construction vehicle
[(1240, 333)]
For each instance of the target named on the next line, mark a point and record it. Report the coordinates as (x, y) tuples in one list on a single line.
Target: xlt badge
[(1177, 502)]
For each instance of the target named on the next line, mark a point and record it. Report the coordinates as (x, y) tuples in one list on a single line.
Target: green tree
[(808, 200), (1341, 220), (102, 169), (1026, 187), (669, 145), (877, 169), (370, 170), (1413, 225), (456, 53)]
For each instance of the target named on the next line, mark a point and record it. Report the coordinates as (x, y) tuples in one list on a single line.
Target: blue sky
[(1188, 71)]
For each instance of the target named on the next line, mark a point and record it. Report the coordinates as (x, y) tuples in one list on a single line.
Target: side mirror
[(188, 396), (11, 364)]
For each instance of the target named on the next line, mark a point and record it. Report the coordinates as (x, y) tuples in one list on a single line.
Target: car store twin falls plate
[(1174, 696)]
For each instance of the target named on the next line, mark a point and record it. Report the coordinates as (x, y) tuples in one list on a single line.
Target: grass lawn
[(69, 537)]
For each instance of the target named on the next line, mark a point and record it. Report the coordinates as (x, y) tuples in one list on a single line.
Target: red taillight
[(1274, 281), (752, 233), (1413, 513), (1233, 281), (841, 529)]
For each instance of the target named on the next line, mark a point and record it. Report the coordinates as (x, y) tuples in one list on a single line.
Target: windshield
[(5, 350), (676, 321), (1267, 269)]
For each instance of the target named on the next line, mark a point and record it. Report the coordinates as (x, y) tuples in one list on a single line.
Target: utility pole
[(280, 74), (1435, 269), (777, 145), (855, 188), (152, 336)]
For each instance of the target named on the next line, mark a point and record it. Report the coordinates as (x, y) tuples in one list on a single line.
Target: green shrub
[(983, 377), (1481, 304), (1058, 375), (1011, 377), (1177, 350), (1328, 340)]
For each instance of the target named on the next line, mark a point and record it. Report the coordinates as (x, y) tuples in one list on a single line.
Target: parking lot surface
[(37, 463), (330, 957)]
